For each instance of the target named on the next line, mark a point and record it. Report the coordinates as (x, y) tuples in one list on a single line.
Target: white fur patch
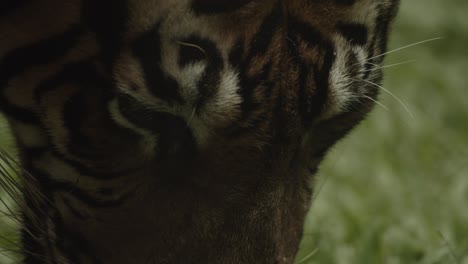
[(340, 81), (219, 110), (227, 99)]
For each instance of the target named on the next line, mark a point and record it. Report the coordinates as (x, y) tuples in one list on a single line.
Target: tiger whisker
[(14, 191), (393, 95), (291, 41), (404, 47), (192, 115), (378, 67), (26, 176), (309, 256), (398, 49), (192, 45), (377, 102)]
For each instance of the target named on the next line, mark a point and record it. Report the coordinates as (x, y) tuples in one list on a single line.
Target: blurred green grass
[(396, 190)]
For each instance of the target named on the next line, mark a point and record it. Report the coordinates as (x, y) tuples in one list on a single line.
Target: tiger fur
[(180, 131)]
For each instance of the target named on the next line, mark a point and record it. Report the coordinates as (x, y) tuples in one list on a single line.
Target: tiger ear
[(217, 6)]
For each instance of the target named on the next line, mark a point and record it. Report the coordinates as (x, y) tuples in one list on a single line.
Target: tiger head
[(192, 127), (247, 87)]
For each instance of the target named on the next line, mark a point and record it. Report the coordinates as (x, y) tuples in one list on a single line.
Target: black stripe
[(70, 188), (248, 85), (380, 38), (262, 40), (42, 52), (79, 167), (356, 34), (311, 99), (70, 73), (75, 113), (175, 139), (77, 109), (236, 53), (312, 105), (345, 2), (19, 60), (211, 7), (147, 48), (38, 251), (16, 112), (383, 27), (86, 198), (301, 31), (108, 19), (87, 171), (303, 68)]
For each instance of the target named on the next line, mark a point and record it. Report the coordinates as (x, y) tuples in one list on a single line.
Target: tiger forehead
[(241, 13)]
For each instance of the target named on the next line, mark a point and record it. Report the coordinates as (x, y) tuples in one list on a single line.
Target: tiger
[(180, 131)]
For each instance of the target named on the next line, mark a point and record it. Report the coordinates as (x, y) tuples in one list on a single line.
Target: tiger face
[(248, 78), (182, 131)]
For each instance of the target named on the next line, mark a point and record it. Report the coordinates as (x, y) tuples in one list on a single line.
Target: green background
[(396, 190)]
